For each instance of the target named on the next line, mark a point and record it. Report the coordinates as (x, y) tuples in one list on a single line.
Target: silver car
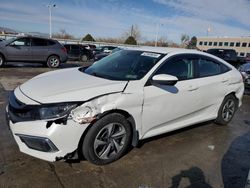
[(32, 49)]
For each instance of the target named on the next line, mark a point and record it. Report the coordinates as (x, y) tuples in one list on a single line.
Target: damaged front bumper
[(48, 143)]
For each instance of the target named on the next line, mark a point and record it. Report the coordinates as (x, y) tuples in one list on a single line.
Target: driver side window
[(182, 68), (21, 42)]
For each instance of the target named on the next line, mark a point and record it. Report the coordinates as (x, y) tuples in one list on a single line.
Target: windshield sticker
[(150, 54), (131, 76)]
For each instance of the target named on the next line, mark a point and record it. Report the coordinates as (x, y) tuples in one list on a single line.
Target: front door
[(167, 108), (19, 50)]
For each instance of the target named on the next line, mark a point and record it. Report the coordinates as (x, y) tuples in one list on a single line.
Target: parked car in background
[(101, 110), (105, 49), (229, 55), (102, 55), (245, 71), (78, 52), (247, 59), (32, 49)]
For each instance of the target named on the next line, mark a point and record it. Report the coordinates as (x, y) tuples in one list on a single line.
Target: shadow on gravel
[(195, 176), (236, 162)]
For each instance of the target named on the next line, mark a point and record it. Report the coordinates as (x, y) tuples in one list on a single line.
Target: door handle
[(193, 88)]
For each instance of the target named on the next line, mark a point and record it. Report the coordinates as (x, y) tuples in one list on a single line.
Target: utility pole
[(157, 33), (132, 30), (156, 36), (50, 18)]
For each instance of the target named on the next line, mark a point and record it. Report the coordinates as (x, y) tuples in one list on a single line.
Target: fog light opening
[(38, 143)]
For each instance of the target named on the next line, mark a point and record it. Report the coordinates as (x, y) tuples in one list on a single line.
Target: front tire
[(107, 140), (227, 110), (53, 61), (2, 61)]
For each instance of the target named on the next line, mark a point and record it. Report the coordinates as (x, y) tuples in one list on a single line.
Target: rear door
[(213, 82), (39, 49), (19, 50)]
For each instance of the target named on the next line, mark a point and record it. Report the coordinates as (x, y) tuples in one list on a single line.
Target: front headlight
[(56, 111)]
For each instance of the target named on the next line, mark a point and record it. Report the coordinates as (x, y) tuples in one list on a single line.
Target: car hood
[(68, 86)]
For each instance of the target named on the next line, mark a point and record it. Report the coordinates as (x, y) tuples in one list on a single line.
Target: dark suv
[(78, 52), (228, 55), (32, 49)]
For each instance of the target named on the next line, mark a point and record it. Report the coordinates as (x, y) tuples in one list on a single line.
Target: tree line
[(132, 36)]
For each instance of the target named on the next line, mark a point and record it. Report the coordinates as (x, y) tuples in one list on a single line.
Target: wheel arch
[(128, 117), (234, 94), (53, 55)]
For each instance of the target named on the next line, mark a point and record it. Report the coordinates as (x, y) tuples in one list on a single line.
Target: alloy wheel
[(54, 62), (228, 110), (110, 140)]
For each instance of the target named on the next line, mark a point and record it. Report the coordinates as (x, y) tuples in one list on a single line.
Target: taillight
[(64, 49)]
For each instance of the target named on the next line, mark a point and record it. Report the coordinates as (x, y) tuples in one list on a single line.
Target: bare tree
[(62, 34), (133, 31), (162, 42)]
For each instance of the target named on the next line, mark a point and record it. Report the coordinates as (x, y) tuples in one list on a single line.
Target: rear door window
[(50, 43), (208, 68), (39, 42)]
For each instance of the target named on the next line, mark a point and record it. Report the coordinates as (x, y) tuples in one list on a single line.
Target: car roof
[(162, 50), (35, 37), (220, 49)]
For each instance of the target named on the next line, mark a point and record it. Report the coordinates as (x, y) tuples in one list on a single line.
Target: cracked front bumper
[(64, 137)]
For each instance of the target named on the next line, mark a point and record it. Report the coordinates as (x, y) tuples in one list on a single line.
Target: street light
[(208, 30), (157, 33), (50, 15)]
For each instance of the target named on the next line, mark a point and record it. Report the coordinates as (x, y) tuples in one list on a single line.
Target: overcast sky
[(110, 18)]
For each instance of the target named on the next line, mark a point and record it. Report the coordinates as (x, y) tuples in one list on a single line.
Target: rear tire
[(2, 61), (107, 140), (227, 110), (53, 61)]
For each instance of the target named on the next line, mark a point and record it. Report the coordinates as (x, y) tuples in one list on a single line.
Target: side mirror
[(164, 79)]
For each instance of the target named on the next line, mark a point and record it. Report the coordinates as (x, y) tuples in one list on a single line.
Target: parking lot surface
[(204, 155)]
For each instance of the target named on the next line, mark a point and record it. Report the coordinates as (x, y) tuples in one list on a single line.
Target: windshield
[(124, 65)]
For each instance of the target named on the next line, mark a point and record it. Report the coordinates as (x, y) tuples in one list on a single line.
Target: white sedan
[(137, 93)]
